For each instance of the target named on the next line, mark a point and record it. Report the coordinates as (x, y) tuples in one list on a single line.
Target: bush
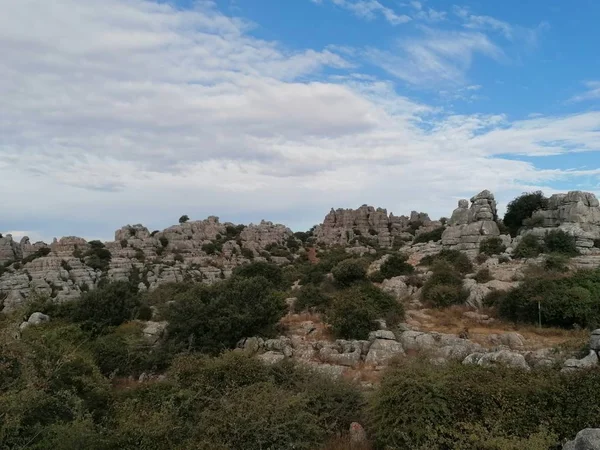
[(444, 287), (528, 247), (349, 271), (97, 257), (354, 310), (269, 271), (492, 246), (522, 208), (163, 241), (468, 407), (213, 318), (455, 258), (310, 296), (434, 235), (558, 241), (212, 248), (396, 265), (44, 251), (247, 253), (109, 305), (183, 219), (556, 263), (483, 276), (563, 301), (597, 243), (376, 277)]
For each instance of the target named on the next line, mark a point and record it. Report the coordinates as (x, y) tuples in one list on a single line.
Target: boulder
[(501, 357), (591, 360), (382, 350), (588, 439)]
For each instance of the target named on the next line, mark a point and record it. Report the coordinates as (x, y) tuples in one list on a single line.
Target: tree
[(184, 218), (522, 208)]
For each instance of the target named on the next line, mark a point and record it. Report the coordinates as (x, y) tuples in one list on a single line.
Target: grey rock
[(37, 317), (595, 340), (588, 439), (591, 360), (271, 357), (382, 350), (381, 334), (501, 357), (357, 433)]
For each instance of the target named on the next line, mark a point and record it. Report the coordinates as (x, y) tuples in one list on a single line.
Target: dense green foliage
[(456, 259), (213, 318), (522, 208), (312, 297), (463, 407), (396, 265), (564, 301), (97, 257), (183, 219), (354, 310), (433, 235), (269, 271), (349, 271), (528, 247), (492, 246), (558, 241), (597, 243), (445, 286)]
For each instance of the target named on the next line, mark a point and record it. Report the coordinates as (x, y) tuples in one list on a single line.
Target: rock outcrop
[(470, 226), (577, 213), (588, 439), (370, 225), (204, 251)]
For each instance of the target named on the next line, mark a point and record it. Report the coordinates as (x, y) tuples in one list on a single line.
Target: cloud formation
[(369, 10), (133, 111)]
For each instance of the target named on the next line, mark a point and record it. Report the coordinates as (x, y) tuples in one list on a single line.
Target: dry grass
[(451, 320), (293, 322)]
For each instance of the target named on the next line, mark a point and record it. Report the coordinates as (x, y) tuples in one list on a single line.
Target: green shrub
[(444, 287), (396, 265), (349, 271), (558, 241), (556, 263), (597, 243), (354, 310), (97, 257), (140, 255), (468, 407), (214, 318), (163, 241), (433, 235), (269, 271), (124, 243), (455, 258), (40, 253), (483, 275), (492, 246), (522, 208), (310, 296), (563, 301), (233, 232), (183, 219), (503, 259), (109, 305), (528, 247), (212, 248), (376, 277), (247, 253)]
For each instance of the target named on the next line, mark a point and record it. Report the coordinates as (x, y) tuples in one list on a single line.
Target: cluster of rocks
[(335, 358), (577, 213), (176, 254), (469, 226), (588, 439), (367, 224)]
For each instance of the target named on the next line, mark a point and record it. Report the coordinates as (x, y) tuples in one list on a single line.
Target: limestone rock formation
[(576, 212), (367, 224), (470, 226)]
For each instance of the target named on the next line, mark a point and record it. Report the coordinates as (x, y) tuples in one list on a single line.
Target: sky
[(116, 112)]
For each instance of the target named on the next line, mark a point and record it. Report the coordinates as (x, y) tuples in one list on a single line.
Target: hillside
[(368, 331)]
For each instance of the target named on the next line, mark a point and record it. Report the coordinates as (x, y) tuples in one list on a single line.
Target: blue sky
[(128, 111)]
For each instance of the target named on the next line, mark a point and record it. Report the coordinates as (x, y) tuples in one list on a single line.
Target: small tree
[(349, 271), (529, 247), (522, 208), (559, 241), (184, 218), (492, 246)]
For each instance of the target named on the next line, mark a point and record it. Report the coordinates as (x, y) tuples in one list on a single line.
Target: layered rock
[(470, 226), (576, 212), (176, 254), (367, 224)]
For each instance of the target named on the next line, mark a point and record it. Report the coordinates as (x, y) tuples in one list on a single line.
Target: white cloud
[(369, 10), (592, 92), (130, 111), (438, 57)]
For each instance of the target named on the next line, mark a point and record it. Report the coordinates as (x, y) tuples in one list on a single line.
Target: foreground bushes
[(472, 408), (353, 311), (564, 301)]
